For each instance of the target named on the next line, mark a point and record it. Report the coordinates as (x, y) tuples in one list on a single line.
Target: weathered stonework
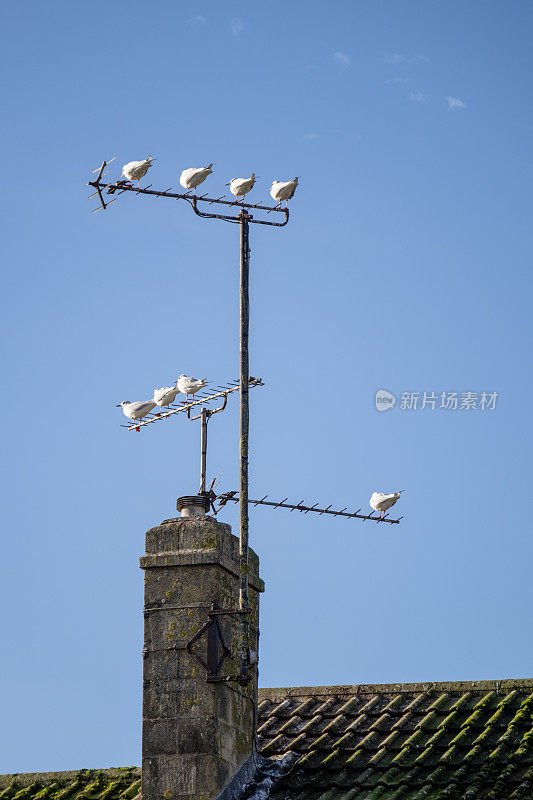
[(195, 734)]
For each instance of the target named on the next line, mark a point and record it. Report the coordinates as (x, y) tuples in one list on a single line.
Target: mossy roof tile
[(452, 741), (384, 722), (371, 706), (335, 725), (109, 784), (350, 708), (395, 705), (419, 702), (393, 742), (292, 725), (360, 724), (305, 708), (326, 708), (441, 702), (430, 741), (407, 722), (524, 791), (417, 739), (431, 721)]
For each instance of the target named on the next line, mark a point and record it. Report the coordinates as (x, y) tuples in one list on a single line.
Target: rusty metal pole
[(244, 424), (203, 449)]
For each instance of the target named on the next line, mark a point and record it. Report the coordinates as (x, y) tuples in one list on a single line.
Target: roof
[(84, 784), (429, 741)]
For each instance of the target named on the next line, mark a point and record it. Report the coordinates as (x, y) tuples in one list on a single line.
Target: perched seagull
[(382, 502), (193, 177), (136, 410), (241, 186), (135, 170), (283, 190), (190, 385), (165, 396)]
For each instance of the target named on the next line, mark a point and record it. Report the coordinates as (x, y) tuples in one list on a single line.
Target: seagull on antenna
[(382, 502), (194, 176), (165, 396), (241, 186), (136, 410), (189, 386), (283, 190), (135, 170)]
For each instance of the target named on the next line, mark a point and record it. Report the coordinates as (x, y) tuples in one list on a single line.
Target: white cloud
[(342, 59), (310, 137), (198, 20), (454, 103), (237, 25), (394, 58), (417, 97)]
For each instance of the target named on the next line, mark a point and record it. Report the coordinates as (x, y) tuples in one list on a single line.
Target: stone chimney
[(197, 730)]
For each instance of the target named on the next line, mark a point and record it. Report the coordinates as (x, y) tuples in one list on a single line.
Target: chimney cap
[(194, 505)]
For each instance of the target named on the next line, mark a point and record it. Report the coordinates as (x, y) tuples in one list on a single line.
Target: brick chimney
[(196, 732)]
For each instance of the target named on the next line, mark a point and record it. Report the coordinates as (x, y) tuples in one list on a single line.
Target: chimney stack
[(197, 730)]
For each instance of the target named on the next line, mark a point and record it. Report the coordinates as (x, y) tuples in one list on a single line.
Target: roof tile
[(463, 741)]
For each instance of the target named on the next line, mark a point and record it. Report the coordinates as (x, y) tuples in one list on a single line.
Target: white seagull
[(135, 170), (194, 176), (136, 410), (382, 502), (165, 396), (283, 190), (190, 385), (241, 186)]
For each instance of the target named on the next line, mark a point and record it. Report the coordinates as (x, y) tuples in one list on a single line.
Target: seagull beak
[(118, 405)]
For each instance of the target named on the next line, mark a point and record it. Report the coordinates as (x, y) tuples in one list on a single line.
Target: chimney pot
[(195, 505)]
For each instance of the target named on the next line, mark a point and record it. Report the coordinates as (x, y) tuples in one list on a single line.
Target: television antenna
[(243, 219)]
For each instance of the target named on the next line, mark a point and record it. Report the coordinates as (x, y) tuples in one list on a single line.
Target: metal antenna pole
[(244, 425), (204, 416), (203, 448)]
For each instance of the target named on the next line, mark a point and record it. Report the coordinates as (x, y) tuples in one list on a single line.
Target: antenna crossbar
[(121, 186), (184, 408), (227, 496)]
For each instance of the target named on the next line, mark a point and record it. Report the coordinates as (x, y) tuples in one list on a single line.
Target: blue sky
[(405, 267)]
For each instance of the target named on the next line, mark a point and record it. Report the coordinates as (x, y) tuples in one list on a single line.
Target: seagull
[(136, 410), (382, 502), (193, 177), (165, 396), (241, 186), (190, 385), (283, 190), (135, 170)]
